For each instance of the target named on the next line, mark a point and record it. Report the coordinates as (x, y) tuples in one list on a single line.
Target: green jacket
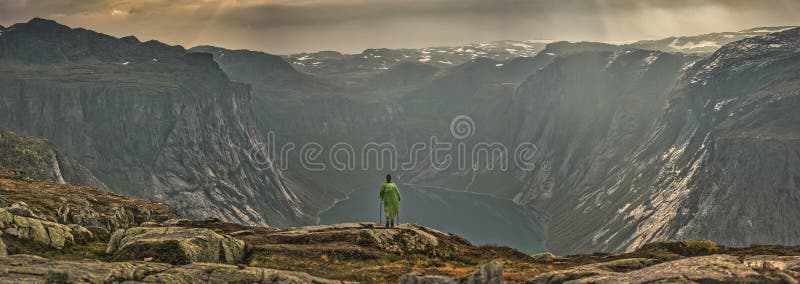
[(391, 199)]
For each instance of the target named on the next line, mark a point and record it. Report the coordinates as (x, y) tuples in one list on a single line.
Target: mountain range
[(679, 138)]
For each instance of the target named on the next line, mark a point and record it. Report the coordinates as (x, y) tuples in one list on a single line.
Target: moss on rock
[(176, 245)]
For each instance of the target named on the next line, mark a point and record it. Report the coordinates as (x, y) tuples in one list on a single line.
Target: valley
[(479, 218)]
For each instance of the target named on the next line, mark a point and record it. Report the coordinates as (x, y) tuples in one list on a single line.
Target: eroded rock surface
[(34, 269), (35, 230), (404, 238), (491, 273), (593, 270), (98, 211), (701, 269), (177, 245)]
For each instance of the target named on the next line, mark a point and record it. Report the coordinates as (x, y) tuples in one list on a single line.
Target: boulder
[(38, 231), (176, 245), (773, 262), (23, 268), (544, 257), (21, 209), (223, 273), (82, 235), (595, 269), (781, 265), (490, 273), (403, 239), (702, 269), (33, 269)]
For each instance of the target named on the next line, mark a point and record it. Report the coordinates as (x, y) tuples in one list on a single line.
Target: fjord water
[(481, 219)]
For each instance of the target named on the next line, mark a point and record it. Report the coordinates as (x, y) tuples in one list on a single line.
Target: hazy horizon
[(350, 26)]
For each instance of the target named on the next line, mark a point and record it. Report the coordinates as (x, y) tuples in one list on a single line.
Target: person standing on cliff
[(390, 196)]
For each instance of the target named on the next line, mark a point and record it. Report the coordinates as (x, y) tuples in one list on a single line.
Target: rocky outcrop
[(176, 245), (717, 268), (490, 273), (701, 269), (787, 268), (35, 231), (38, 159), (594, 270), (404, 239), (90, 211), (33, 269), (220, 273), (21, 209)]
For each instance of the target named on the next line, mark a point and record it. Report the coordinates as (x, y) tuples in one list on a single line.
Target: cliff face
[(723, 160), (150, 120), (714, 156), (300, 108), (587, 113)]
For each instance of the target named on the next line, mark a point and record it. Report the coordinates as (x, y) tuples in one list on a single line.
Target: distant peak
[(768, 29), (130, 38), (46, 23), (40, 25)]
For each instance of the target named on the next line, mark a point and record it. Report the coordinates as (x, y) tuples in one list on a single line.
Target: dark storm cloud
[(352, 25)]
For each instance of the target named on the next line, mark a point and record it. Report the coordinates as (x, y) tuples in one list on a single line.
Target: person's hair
[(389, 178)]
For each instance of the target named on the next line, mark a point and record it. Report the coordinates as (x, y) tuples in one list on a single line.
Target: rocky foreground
[(61, 233)]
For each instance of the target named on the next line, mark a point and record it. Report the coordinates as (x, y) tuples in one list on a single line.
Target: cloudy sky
[(285, 26)]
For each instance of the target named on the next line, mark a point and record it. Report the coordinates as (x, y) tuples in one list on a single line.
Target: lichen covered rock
[(491, 273), (34, 269), (222, 273), (35, 230), (592, 270), (176, 245), (403, 239), (21, 209), (99, 211), (701, 269)]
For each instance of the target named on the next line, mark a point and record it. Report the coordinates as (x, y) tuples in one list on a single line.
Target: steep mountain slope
[(38, 159), (637, 146), (566, 109), (299, 108), (282, 95), (150, 120), (719, 162)]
